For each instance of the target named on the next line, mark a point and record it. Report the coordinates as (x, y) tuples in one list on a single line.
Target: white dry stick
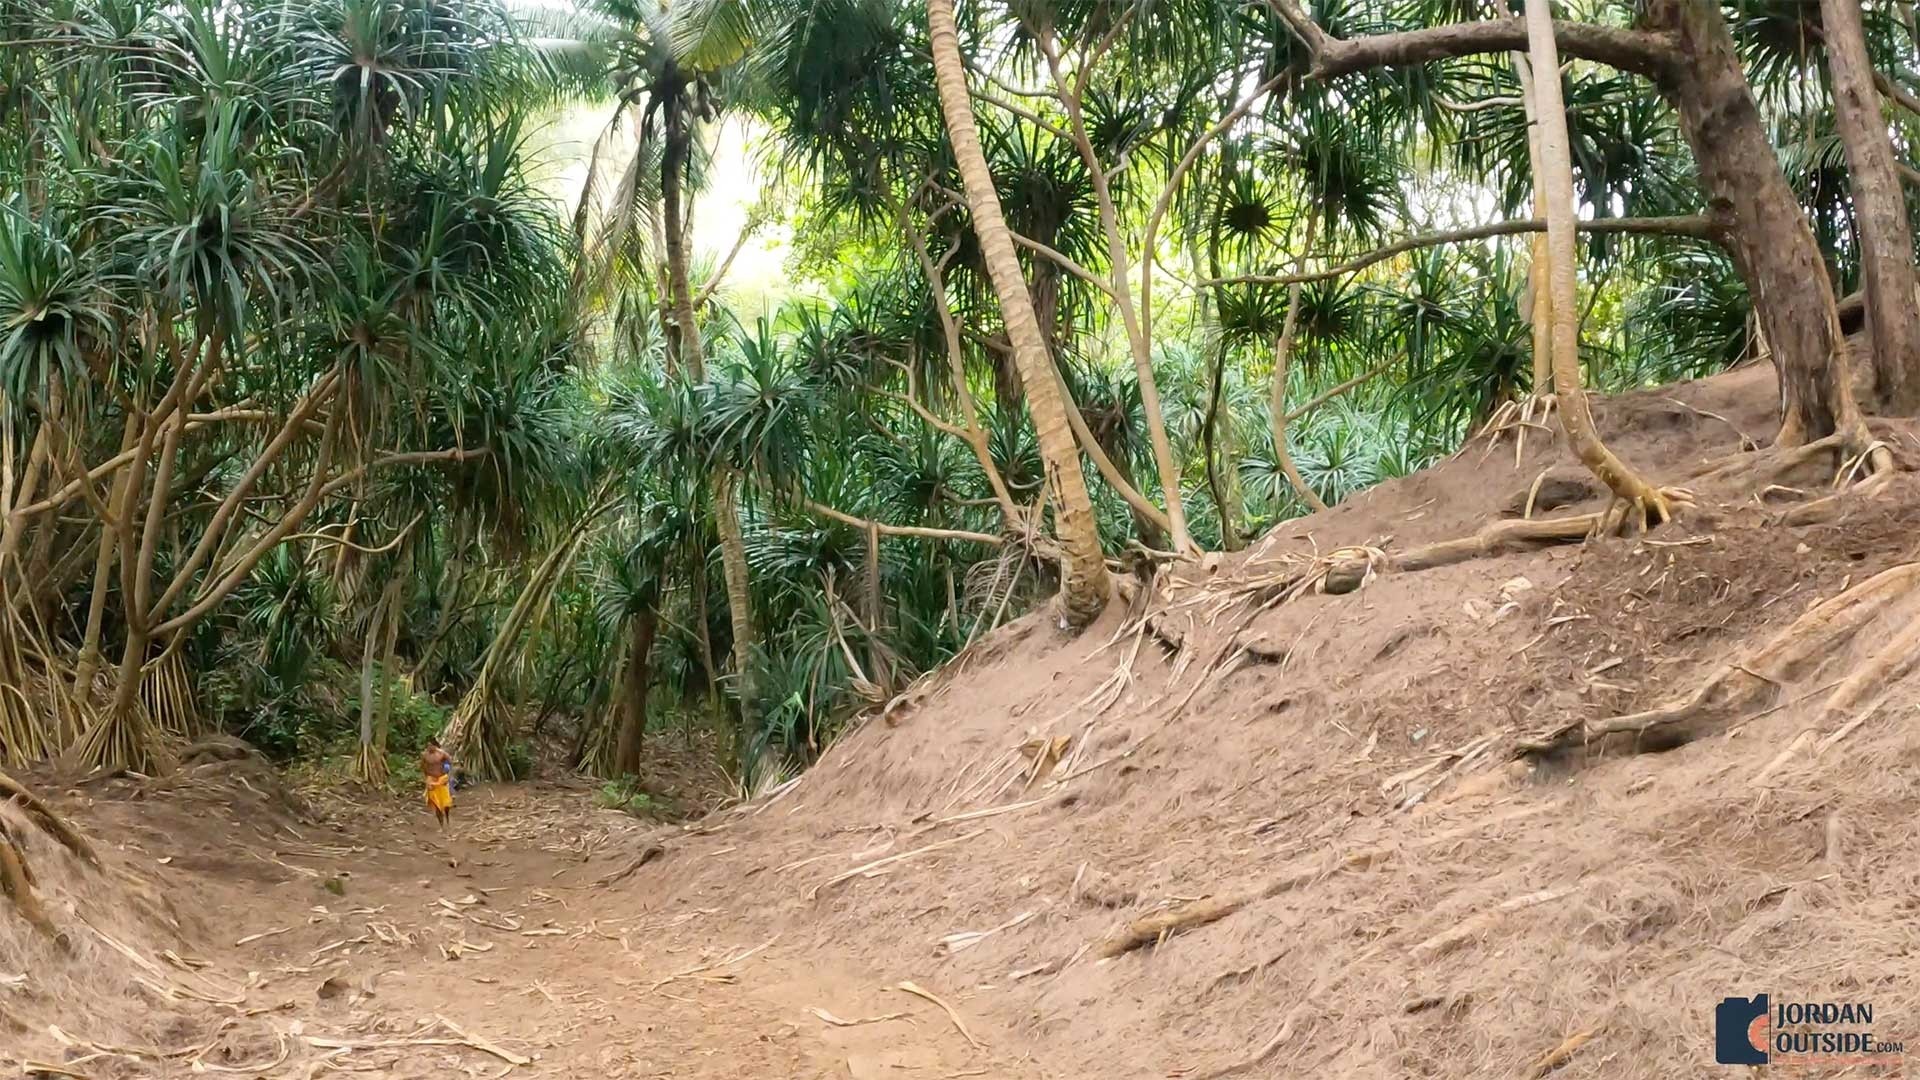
[(836, 1021), (959, 1026), (878, 865)]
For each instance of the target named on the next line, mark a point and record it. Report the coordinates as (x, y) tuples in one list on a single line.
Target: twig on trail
[(967, 939), (1220, 668), (836, 1021), (1462, 758), (285, 1051), (1459, 934), (42, 1068), (877, 865), (1327, 982), (251, 938), (1747, 444), (699, 968), (482, 1045), (647, 855), (461, 1039), (1563, 1053), (921, 992), (991, 811)]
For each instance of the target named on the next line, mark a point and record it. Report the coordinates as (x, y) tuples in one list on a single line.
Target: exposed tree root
[(370, 764), (16, 883), (1755, 682), (121, 739), (1349, 568), (43, 815), (16, 878), (1159, 925), (480, 732)]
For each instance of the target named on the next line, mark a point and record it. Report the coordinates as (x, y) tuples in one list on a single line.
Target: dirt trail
[(497, 927), (1261, 833)]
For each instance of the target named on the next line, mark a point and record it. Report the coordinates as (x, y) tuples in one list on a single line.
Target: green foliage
[(627, 796), (339, 203)]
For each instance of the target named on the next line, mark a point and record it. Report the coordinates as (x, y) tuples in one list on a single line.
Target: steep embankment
[(1243, 825), (1332, 780)]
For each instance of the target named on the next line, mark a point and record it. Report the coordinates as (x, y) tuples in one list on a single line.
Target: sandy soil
[(1417, 900)]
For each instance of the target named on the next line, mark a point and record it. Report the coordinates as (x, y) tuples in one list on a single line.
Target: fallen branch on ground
[(829, 1018), (647, 855), (877, 865), (958, 1024)]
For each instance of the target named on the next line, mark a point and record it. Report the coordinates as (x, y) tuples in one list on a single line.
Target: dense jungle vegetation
[(325, 423)]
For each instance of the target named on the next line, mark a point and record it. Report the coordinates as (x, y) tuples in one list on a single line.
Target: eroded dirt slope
[(1396, 890)]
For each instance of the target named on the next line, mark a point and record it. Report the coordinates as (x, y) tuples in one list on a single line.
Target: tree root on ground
[(120, 740), (1857, 459), (16, 877), (16, 884), (1159, 925), (1757, 682), (43, 815), (370, 765)]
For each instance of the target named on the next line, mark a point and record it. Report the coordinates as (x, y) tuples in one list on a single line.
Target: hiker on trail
[(437, 766)]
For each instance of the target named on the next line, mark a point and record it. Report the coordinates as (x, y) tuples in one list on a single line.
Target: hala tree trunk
[(383, 724), (1561, 297), (1539, 298), (1771, 242), (1083, 570), (1880, 210), (733, 563), (365, 766), (1282, 363), (1685, 48), (633, 693)]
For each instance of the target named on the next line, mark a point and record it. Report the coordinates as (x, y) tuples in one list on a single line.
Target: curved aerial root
[(1518, 416), (1634, 514), (43, 815), (370, 765), (1758, 681)]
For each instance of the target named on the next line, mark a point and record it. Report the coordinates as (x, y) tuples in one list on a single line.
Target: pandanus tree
[(208, 183)]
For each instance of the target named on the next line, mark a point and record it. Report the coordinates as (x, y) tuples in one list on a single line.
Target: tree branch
[(1328, 395), (884, 529), (1894, 92), (1064, 261), (1642, 52), (1699, 226)]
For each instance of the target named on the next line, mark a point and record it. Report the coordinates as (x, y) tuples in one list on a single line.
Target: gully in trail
[(336, 950)]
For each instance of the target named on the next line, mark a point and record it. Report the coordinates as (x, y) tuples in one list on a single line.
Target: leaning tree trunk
[(633, 714), (1561, 297), (1770, 239), (1880, 210), (1083, 567), (1282, 363)]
